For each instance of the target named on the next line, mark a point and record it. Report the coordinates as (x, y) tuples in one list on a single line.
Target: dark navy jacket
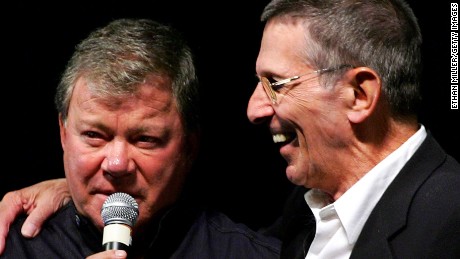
[(418, 216), (182, 232)]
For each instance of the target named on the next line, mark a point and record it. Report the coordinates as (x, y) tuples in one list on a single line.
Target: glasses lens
[(268, 89)]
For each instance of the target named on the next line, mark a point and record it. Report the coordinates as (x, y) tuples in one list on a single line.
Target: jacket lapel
[(390, 214)]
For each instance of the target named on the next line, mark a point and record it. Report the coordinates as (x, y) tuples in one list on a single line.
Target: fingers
[(40, 201), (10, 207), (34, 222), (49, 197), (109, 254)]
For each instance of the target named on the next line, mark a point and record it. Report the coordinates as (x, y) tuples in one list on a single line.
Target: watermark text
[(454, 55)]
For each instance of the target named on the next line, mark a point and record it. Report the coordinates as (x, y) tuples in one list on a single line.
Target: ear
[(363, 94), (62, 132)]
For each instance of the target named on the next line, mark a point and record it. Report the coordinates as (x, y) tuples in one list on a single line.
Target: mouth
[(283, 138)]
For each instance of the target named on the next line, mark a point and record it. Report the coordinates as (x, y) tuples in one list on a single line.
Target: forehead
[(154, 91), (281, 45)]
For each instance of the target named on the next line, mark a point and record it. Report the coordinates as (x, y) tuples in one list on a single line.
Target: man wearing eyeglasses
[(339, 89)]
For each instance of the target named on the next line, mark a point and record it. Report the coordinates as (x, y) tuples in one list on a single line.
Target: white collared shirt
[(339, 224)]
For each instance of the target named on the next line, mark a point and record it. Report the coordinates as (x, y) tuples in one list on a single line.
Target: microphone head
[(120, 208)]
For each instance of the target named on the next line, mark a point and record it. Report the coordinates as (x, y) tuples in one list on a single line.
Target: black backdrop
[(242, 173)]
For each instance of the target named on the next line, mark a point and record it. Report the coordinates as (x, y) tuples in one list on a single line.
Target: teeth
[(278, 138)]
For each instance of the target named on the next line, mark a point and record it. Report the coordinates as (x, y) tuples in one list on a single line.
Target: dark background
[(238, 158)]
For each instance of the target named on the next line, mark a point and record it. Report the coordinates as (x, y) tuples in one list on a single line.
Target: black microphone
[(119, 214)]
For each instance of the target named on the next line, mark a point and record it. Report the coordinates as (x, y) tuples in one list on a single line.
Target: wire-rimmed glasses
[(271, 92)]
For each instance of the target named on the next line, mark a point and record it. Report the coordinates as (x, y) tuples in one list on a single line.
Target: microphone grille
[(121, 208)]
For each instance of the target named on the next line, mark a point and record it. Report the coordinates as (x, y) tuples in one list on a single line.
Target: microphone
[(119, 214)]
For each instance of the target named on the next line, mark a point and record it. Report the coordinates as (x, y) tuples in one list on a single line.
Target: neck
[(368, 148)]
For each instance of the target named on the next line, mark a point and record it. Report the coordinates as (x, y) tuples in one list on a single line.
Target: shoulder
[(221, 226), (60, 219), (443, 179), (55, 239), (431, 174), (225, 238)]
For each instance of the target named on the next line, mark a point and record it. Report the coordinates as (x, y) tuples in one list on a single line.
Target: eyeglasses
[(269, 86)]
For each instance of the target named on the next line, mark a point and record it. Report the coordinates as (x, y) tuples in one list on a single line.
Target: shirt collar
[(355, 205)]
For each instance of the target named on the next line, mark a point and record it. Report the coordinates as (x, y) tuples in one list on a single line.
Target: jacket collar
[(390, 213)]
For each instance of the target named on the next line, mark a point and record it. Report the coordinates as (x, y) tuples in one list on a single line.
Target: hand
[(109, 254), (39, 201)]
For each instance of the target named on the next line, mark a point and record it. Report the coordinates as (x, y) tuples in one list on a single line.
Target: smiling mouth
[(283, 138)]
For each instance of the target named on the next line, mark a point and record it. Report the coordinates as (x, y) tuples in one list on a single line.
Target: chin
[(293, 176)]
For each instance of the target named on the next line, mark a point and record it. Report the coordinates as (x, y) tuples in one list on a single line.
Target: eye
[(93, 138), (146, 139), (147, 142), (91, 134), (273, 82)]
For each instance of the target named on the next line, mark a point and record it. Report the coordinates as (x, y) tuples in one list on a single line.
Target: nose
[(118, 162), (259, 106)]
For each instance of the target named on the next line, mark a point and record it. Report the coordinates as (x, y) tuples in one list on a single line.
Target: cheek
[(318, 120), (312, 106), (165, 165), (80, 170), (162, 178), (80, 163), (300, 104)]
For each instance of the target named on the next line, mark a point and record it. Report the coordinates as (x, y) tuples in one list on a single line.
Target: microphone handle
[(115, 246), (116, 236)]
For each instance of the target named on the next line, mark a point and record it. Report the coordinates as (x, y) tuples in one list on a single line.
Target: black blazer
[(418, 215)]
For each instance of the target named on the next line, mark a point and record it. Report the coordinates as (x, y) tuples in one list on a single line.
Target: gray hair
[(115, 59), (381, 34)]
